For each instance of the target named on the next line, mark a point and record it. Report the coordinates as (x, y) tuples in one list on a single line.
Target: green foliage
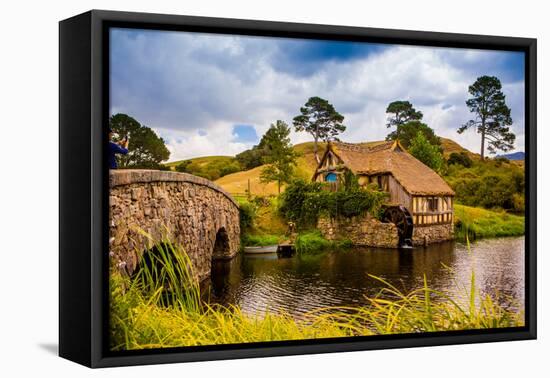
[(489, 184), (303, 202), (145, 150), (312, 242), (349, 203), (247, 215), (426, 152), (184, 166), (261, 240), (251, 158), (294, 200), (460, 158), (319, 118), (476, 223), (408, 131), (492, 115), (280, 157), (402, 112), (407, 122)]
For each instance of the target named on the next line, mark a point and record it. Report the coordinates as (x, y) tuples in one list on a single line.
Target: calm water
[(340, 278)]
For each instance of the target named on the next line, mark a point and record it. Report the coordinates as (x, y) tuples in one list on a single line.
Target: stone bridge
[(178, 207)]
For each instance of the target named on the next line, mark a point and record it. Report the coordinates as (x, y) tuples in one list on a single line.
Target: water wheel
[(401, 217)]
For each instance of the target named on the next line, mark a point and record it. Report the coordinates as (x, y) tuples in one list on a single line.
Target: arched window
[(331, 177)]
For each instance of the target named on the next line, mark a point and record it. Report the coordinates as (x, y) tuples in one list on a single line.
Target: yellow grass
[(449, 146), (238, 182)]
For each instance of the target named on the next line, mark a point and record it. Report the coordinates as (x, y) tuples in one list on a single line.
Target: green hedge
[(303, 202)]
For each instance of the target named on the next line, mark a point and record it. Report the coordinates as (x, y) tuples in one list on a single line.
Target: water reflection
[(340, 278)]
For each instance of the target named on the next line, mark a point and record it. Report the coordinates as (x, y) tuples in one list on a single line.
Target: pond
[(260, 283)]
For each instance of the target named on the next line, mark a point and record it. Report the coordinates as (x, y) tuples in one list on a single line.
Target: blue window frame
[(331, 177)]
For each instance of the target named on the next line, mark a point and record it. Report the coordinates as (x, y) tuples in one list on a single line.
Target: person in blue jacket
[(116, 148)]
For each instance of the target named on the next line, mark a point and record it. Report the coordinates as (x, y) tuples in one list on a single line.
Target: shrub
[(183, 166), (303, 202), (460, 158), (247, 215), (519, 203), (294, 201), (489, 184)]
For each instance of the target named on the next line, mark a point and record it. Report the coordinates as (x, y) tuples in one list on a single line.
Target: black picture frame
[(83, 182)]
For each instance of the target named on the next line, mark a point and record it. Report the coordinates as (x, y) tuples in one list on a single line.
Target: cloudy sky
[(209, 94)]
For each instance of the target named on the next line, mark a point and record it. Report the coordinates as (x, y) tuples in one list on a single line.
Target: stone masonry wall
[(362, 231), (182, 208), (424, 235)]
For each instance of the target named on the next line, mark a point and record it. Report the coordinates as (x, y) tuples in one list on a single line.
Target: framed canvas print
[(234, 188)]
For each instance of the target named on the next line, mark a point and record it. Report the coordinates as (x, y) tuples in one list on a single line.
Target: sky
[(213, 94)]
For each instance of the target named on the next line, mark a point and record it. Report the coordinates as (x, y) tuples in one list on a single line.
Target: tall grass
[(477, 223), (142, 317)]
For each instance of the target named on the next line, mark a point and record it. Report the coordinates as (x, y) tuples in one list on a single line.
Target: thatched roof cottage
[(409, 182)]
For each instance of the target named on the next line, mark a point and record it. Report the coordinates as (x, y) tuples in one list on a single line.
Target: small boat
[(260, 250)]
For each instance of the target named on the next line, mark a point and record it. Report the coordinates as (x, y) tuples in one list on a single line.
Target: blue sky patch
[(245, 134)]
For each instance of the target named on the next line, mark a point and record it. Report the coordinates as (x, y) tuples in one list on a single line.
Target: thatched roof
[(390, 157)]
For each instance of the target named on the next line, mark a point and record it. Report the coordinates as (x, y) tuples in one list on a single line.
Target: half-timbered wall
[(432, 210)]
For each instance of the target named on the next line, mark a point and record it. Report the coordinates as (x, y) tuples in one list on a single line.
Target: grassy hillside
[(209, 167), (449, 146), (204, 160), (238, 182)]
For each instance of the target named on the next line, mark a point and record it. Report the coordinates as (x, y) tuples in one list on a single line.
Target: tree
[(426, 152), (407, 132), (184, 166), (250, 158), (401, 113), (319, 118), (493, 118), (280, 156), (145, 150)]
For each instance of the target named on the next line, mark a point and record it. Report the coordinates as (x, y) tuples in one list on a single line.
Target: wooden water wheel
[(401, 217)]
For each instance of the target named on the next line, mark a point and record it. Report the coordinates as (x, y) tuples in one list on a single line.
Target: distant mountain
[(520, 155)]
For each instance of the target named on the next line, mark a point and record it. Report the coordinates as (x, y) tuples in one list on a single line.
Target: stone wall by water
[(424, 235), (361, 230), (184, 209), (368, 231)]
